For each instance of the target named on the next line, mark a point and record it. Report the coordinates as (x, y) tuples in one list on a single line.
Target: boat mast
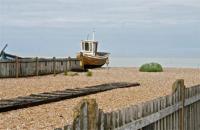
[(87, 36), (93, 34)]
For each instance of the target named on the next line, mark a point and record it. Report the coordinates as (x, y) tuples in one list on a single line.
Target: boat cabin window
[(86, 46)]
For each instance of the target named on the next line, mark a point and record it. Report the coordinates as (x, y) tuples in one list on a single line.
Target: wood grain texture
[(48, 97), (180, 110), (37, 66)]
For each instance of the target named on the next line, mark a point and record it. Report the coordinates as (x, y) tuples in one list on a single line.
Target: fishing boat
[(5, 56), (90, 57)]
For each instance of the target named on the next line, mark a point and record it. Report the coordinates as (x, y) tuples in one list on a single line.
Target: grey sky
[(145, 28)]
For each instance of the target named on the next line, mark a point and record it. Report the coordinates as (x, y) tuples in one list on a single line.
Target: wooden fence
[(37, 66), (178, 111)]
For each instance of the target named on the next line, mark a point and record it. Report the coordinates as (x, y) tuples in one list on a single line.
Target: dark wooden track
[(48, 97)]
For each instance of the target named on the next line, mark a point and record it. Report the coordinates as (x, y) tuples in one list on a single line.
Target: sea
[(165, 62)]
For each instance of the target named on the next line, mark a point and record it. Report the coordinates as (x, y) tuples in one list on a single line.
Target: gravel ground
[(49, 116)]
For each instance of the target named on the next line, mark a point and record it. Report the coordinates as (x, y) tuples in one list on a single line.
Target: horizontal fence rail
[(178, 111), (37, 66)]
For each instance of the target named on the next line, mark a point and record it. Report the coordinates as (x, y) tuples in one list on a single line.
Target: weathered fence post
[(36, 66), (68, 127), (86, 115), (54, 66), (182, 111), (17, 67), (66, 67), (69, 63), (180, 88)]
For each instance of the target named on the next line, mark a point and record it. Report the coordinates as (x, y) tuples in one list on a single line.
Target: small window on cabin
[(61, 62), (45, 63), (87, 46)]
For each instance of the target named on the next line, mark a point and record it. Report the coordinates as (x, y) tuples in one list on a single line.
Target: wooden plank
[(140, 123), (36, 66), (165, 118), (193, 110), (101, 120), (181, 111), (84, 117), (108, 124), (195, 116), (17, 67), (113, 120), (162, 120), (54, 66), (159, 108), (77, 124), (152, 111), (120, 118), (198, 105), (48, 97), (117, 119), (187, 111), (169, 118), (176, 112), (155, 104), (127, 115), (105, 121)]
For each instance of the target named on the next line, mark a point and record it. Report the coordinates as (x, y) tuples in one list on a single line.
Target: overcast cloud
[(124, 27)]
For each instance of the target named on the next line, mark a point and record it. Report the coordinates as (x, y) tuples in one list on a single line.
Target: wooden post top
[(87, 108), (178, 83)]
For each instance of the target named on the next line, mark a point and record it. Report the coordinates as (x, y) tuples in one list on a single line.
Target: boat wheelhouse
[(89, 47), (89, 55)]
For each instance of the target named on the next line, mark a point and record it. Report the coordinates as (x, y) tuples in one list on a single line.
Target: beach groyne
[(37, 66), (177, 111)]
